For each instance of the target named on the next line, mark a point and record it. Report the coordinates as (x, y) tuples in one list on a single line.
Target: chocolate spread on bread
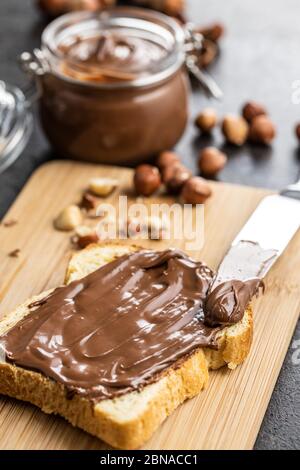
[(123, 325)]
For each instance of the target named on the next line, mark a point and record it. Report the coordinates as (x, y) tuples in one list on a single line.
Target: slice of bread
[(234, 341), (126, 422)]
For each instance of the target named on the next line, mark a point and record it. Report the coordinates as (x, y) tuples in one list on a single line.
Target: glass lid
[(15, 124)]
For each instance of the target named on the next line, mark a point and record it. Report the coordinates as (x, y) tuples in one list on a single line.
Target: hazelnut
[(59, 7), (68, 219), (262, 130), (89, 201), (168, 171), (146, 180), (235, 129), (86, 240), (102, 186), (208, 53), (167, 158), (252, 109), (83, 230), (84, 236), (176, 177), (206, 120), (211, 161), (213, 32), (297, 131), (52, 7), (195, 191)]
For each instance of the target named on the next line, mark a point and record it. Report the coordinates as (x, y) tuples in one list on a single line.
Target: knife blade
[(262, 240)]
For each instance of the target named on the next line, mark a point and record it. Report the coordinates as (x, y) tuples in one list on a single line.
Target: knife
[(263, 238), (251, 255)]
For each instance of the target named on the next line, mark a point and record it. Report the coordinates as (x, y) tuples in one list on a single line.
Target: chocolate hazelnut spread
[(227, 301), (121, 326), (238, 279), (111, 57)]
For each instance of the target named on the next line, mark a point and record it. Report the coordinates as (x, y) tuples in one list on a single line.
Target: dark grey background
[(260, 60)]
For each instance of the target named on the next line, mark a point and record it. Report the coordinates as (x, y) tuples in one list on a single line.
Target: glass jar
[(15, 124), (113, 120)]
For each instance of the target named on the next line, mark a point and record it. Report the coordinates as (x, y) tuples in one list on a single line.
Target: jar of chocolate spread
[(114, 87)]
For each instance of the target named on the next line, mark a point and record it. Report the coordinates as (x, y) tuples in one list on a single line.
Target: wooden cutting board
[(225, 416)]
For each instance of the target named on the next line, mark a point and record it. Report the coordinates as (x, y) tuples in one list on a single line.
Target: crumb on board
[(9, 223), (14, 253)]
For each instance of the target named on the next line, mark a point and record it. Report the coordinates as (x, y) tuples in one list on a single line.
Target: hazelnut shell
[(167, 158), (211, 161), (213, 32), (252, 109), (59, 7), (89, 201), (262, 130), (195, 191), (206, 120), (86, 240), (167, 172), (235, 129), (177, 178), (147, 180)]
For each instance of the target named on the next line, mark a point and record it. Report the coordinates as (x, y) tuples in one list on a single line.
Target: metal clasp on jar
[(193, 45), (35, 65)]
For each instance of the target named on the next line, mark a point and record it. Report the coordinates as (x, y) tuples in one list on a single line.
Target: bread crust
[(177, 386), (125, 422)]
